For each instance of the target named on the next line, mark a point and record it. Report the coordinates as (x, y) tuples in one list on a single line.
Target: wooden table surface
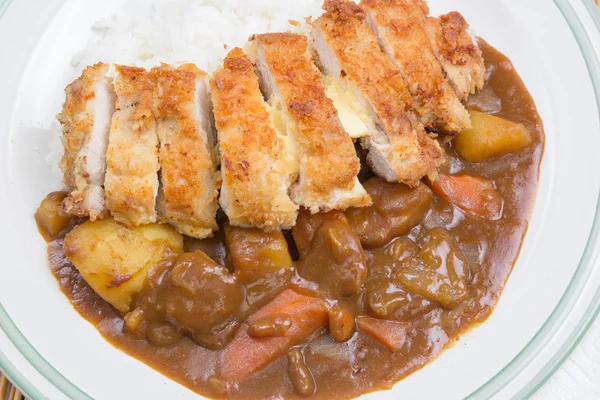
[(8, 391)]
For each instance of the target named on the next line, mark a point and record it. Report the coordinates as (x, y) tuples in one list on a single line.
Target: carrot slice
[(391, 334), (246, 355), (477, 197)]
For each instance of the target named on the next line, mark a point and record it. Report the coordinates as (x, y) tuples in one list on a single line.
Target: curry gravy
[(363, 364)]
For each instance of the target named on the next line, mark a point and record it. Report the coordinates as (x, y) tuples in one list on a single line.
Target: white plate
[(549, 301)]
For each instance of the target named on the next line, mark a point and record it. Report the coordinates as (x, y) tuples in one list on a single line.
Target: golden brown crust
[(364, 64), (412, 154), (189, 200), (77, 118), (132, 158), (400, 25), (459, 54), (456, 46), (133, 81), (255, 179), (343, 11), (87, 202), (328, 161)]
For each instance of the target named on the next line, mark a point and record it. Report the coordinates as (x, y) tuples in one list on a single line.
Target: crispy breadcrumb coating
[(189, 190), (85, 120), (400, 27), (400, 149), (132, 159), (458, 53), (328, 165), (256, 181)]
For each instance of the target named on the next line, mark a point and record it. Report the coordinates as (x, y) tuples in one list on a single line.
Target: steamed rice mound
[(145, 33)]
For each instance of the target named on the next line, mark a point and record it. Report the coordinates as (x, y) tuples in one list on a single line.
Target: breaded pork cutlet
[(400, 26), (189, 191), (256, 177), (399, 148), (85, 119), (132, 159), (458, 53), (326, 158)]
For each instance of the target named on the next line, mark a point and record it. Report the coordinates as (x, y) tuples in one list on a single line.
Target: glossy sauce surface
[(388, 280)]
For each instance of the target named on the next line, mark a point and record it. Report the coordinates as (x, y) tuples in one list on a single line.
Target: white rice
[(147, 32)]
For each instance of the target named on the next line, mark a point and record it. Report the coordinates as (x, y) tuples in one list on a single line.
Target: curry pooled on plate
[(319, 218)]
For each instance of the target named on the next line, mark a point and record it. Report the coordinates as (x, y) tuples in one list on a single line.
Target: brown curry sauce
[(362, 364)]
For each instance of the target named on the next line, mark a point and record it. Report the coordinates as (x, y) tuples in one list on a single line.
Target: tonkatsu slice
[(326, 158), (85, 120), (399, 148), (458, 53), (400, 27), (189, 186), (132, 159), (256, 174)]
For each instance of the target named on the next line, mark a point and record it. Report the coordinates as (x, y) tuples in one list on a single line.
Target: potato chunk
[(396, 210), (440, 272), (195, 295), (262, 262), (334, 258), (385, 297), (490, 137), (163, 233), (48, 218), (114, 260)]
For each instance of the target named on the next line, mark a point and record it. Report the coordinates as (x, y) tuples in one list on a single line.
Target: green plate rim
[(590, 255), (492, 386), (594, 11)]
